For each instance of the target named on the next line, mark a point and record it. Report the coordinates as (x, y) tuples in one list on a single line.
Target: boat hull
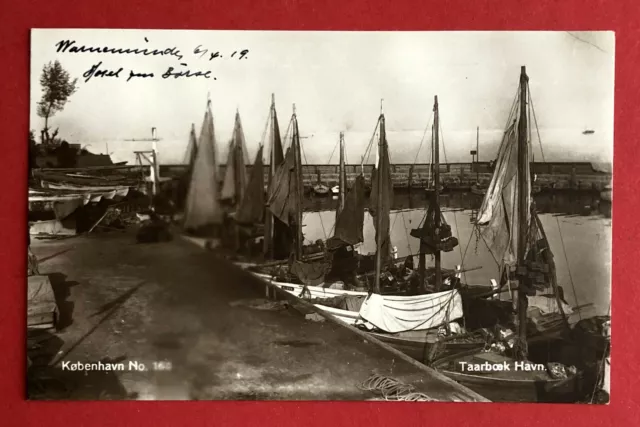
[(509, 385), (419, 347), (414, 343), (321, 190)]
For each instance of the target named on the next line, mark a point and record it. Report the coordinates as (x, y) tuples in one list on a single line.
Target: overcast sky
[(336, 80)]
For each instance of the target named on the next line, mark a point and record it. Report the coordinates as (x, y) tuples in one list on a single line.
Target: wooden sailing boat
[(235, 177), (277, 237), (203, 213), (509, 225), (392, 315)]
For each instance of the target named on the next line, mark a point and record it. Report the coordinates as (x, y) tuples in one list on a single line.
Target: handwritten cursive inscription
[(172, 72), (95, 71), (71, 46), (133, 74), (202, 52)]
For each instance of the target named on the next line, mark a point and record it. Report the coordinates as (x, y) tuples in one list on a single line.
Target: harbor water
[(577, 225)]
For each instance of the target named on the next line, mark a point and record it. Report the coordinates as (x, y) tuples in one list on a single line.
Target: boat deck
[(187, 317)]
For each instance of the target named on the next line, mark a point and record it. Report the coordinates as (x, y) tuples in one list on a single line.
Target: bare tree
[(57, 87)]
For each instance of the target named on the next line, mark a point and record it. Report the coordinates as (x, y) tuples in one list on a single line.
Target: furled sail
[(282, 201), (435, 240), (382, 195), (202, 207), (285, 195), (348, 229), (251, 209), (235, 178), (499, 214)]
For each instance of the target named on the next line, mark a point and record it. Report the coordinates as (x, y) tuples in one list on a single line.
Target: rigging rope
[(455, 217), (266, 127), (566, 259), (533, 110), (322, 225), (423, 137), (404, 222), (392, 389), (367, 152), (333, 152)]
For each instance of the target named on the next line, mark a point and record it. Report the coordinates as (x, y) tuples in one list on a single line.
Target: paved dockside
[(187, 317)]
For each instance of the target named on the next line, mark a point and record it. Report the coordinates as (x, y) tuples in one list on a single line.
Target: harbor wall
[(453, 176)]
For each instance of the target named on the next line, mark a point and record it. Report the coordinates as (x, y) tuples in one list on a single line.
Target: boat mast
[(298, 176), (436, 178), (523, 210), (237, 156), (381, 143), (478, 155), (342, 181), (268, 218)]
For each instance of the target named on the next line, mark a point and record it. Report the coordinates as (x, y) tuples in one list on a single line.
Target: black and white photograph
[(320, 215)]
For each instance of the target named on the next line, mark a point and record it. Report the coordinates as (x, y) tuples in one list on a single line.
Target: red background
[(19, 17)]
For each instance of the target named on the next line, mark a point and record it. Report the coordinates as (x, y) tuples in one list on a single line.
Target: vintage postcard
[(273, 215)]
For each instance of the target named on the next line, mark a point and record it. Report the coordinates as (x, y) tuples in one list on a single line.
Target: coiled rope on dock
[(394, 390)]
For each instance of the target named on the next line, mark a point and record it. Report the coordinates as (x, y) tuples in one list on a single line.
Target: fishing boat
[(407, 322), (235, 176), (320, 189), (509, 225), (203, 214)]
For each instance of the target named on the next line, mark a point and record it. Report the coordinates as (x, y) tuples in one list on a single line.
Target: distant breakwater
[(453, 176)]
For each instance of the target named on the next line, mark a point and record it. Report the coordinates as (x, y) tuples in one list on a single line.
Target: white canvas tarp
[(395, 314)]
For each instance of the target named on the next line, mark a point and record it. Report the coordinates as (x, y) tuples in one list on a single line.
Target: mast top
[(294, 109), (381, 106), (523, 74), (435, 102), (208, 99), (273, 98)]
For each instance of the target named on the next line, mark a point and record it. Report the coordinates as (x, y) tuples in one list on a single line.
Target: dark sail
[(382, 196), (282, 200), (235, 179), (276, 151), (192, 148), (251, 209), (277, 241), (282, 205), (349, 224), (285, 195)]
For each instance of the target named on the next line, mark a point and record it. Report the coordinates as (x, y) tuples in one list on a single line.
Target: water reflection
[(577, 226), (567, 202)]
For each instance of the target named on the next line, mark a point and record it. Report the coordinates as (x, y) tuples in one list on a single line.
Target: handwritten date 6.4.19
[(205, 53)]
